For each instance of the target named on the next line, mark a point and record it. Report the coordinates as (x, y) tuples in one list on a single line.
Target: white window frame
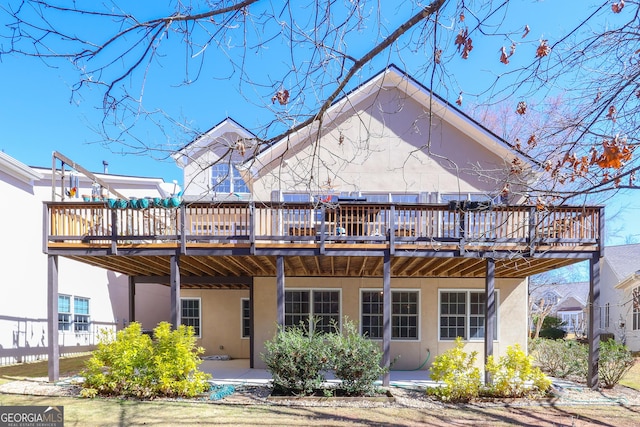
[(395, 290), (230, 177), (605, 313), (198, 333), (77, 317), (571, 320), (311, 292), (243, 318), (467, 314), (69, 314), (635, 312)]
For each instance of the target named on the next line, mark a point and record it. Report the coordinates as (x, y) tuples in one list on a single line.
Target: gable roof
[(624, 260), (568, 294), (195, 147), (390, 78), (394, 78), (18, 169)]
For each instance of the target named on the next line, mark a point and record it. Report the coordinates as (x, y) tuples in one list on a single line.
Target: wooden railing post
[(114, 232), (392, 229), (462, 227), (532, 241), (183, 235), (252, 229)]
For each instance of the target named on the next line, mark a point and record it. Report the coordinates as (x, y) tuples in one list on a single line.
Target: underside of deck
[(231, 265)]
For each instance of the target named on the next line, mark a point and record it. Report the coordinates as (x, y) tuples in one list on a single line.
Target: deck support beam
[(386, 318), (280, 290), (490, 312), (175, 292), (594, 321), (53, 353), (252, 335), (132, 299)]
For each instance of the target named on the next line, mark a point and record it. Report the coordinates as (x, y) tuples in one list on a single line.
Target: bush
[(455, 369), (356, 360), (615, 361), (134, 365), (560, 358), (552, 333), (552, 322), (296, 359), (514, 375)]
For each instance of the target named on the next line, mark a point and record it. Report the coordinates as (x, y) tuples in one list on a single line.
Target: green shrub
[(561, 359), (514, 375), (356, 360), (176, 360), (552, 333), (615, 361), (456, 371), (132, 364), (296, 359), (552, 322)]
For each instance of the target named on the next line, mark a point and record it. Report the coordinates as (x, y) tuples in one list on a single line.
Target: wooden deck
[(236, 240)]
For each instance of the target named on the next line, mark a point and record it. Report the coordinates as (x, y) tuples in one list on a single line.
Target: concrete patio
[(238, 372)]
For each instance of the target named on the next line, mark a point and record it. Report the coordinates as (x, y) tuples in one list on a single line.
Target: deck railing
[(300, 223)]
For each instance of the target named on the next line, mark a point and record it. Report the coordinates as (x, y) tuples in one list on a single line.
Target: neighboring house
[(566, 301), (379, 216), (620, 303), (89, 298)]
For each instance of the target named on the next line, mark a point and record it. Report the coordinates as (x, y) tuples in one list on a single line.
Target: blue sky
[(38, 117)]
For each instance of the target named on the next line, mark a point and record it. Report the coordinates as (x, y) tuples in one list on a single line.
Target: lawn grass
[(632, 378), (119, 412), (69, 366)]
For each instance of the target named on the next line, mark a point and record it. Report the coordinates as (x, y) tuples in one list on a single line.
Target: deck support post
[(53, 353), (386, 318), (175, 292), (132, 300), (280, 290), (594, 321), (252, 339), (490, 312)]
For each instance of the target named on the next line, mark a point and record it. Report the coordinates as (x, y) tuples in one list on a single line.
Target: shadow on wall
[(152, 302), (24, 339)]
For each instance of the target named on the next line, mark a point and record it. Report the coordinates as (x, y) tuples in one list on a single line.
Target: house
[(89, 299), (620, 300), (377, 214), (567, 302)]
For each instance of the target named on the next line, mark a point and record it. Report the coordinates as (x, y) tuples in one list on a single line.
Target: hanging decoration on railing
[(146, 202)]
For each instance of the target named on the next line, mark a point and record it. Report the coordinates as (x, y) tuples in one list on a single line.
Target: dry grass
[(107, 412), (69, 366), (632, 378)]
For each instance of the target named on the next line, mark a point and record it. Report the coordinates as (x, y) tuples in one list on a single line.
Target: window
[(227, 180), (472, 197), (81, 314), (296, 197), (550, 298), (573, 321), (64, 313), (636, 309), (246, 317), (404, 314), (321, 305), (404, 198), (190, 314), (604, 316), (76, 314), (462, 314)]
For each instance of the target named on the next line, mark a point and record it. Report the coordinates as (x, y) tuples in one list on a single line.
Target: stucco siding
[(407, 354), (221, 321), (385, 146)]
